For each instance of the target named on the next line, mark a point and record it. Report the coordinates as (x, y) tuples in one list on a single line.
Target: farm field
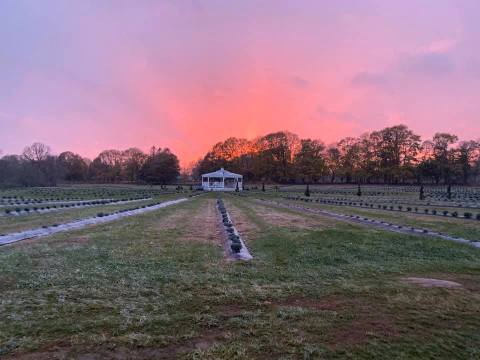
[(163, 284)]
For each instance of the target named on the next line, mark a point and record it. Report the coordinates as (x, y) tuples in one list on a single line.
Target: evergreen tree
[(263, 187), (307, 191), (422, 193), (449, 191), (359, 191)]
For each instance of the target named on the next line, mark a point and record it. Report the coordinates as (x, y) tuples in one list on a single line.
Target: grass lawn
[(468, 229), (12, 223), (158, 285)]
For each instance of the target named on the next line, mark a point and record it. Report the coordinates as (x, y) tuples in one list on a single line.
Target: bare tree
[(36, 152)]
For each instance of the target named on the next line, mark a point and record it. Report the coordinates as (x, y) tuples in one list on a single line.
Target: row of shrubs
[(472, 194), (41, 201), (235, 243), (60, 206), (466, 215), (396, 201), (62, 194), (425, 231)]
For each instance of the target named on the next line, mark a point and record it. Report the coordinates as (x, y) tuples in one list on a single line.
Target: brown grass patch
[(364, 320), (173, 220), (7, 282), (199, 224), (63, 350), (289, 219), (231, 310), (244, 225)]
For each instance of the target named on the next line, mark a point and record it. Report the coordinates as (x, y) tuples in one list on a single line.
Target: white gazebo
[(222, 180)]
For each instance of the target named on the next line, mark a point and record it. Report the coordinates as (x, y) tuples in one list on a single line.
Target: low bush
[(478, 216), (8, 211), (409, 209), (434, 212), (236, 247), (445, 212), (426, 211), (454, 214), (467, 215), (100, 214)]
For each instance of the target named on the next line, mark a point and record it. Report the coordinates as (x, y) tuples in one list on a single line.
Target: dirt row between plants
[(383, 225), (200, 224), (79, 224)]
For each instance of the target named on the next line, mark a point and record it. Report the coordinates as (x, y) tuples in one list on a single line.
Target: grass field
[(160, 285)]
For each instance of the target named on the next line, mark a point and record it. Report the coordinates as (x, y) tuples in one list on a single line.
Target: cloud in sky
[(90, 75), (432, 64), (365, 78)]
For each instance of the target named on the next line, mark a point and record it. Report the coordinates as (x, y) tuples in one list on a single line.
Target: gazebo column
[(223, 182)]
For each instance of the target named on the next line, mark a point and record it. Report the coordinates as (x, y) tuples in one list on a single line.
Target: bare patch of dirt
[(360, 329), (203, 342), (430, 282), (55, 350), (231, 310)]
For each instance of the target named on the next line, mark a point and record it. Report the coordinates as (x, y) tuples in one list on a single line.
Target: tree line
[(36, 166), (393, 155)]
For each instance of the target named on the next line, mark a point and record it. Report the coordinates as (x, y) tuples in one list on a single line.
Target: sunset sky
[(90, 75)]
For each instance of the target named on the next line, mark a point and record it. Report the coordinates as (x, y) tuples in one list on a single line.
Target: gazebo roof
[(222, 173)]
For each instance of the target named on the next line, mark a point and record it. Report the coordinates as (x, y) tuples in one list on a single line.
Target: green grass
[(12, 223), (468, 229), (135, 288)]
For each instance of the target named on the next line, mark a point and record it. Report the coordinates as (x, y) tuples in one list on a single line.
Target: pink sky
[(92, 75)]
